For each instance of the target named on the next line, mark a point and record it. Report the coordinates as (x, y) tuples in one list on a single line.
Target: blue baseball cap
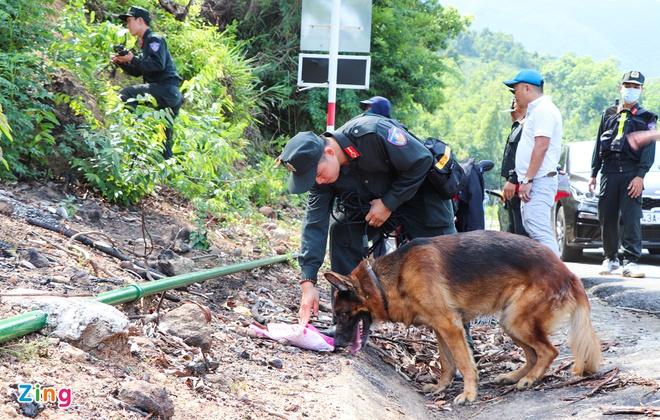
[(377, 105), (530, 76)]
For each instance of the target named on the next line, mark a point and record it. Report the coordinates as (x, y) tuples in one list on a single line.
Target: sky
[(627, 30)]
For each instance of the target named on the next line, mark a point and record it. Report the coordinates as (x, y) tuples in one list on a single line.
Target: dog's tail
[(582, 338)]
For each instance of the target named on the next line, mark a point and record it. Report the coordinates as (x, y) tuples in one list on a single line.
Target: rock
[(30, 409), (276, 363), (200, 368), (70, 353), (148, 397), (268, 212), (181, 247), (159, 241), (143, 346), (6, 208), (37, 259), (142, 341), (222, 380), (81, 278), (109, 214), (280, 234), (237, 252), (91, 212), (62, 212), (50, 193), (171, 264), (269, 226), (85, 323), (181, 233), (190, 323), (280, 249)]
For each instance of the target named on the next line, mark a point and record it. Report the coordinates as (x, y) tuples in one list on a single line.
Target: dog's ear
[(340, 282)]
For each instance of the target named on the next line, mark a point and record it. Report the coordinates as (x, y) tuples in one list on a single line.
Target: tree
[(408, 62)]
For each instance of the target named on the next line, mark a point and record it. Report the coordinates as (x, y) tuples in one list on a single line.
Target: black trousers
[(346, 239), (615, 204), (515, 218), (167, 96)]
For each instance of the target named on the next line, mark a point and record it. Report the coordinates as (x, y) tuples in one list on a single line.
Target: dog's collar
[(379, 285)]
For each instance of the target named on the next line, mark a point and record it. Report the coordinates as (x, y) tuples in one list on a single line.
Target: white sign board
[(354, 27)]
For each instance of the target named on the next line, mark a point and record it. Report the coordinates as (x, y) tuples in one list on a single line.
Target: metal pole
[(332, 63), (22, 324)]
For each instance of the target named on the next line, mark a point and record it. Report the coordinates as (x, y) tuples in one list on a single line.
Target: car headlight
[(580, 191)]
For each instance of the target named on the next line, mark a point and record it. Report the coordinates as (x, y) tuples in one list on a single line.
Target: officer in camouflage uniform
[(370, 175), (156, 67)]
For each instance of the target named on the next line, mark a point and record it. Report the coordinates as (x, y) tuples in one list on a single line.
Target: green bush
[(24, 31), (28, 112), (125, 163)]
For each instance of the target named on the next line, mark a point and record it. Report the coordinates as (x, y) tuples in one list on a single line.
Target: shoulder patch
[(154, 45), (396, 136)]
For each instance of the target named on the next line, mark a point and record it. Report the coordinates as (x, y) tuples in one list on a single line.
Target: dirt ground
[(250, 378)]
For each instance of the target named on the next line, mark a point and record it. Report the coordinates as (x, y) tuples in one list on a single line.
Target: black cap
[(633, 77), (301, 157), (137, 12)]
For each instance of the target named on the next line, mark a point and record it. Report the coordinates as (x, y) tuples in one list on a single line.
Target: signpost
[(352, 71), (334, 26)]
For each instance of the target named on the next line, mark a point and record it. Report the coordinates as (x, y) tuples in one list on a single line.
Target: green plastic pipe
[(22, 324)]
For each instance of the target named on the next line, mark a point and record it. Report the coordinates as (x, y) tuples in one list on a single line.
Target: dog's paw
[(465, 398), (504, 379), (434, 389), (525, 383)]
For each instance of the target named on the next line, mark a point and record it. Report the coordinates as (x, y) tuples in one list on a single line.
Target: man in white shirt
[(537, 156)]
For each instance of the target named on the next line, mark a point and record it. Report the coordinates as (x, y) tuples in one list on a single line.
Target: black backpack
[(447, 176)]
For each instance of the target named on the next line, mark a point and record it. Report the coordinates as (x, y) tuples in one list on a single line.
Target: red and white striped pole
[(332, 63)]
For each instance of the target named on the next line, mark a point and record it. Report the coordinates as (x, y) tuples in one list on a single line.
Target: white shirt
[(542, 119)]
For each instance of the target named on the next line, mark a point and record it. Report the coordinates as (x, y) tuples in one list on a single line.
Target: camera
[(120, 49)]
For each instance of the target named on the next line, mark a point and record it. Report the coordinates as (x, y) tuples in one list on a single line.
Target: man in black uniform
[(372, 166), (509, 169), (622, 176), (156, 67)]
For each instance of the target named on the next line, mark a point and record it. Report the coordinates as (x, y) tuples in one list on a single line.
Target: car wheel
[(568, 253)]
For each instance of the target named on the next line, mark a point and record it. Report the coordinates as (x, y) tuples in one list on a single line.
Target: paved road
[(641, 294)]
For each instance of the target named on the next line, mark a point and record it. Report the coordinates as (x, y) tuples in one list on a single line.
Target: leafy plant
[(198, 237), (126, 162), (69, 204), (5, 128)]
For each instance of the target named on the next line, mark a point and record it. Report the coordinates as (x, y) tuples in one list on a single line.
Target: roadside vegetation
[(60, 115)]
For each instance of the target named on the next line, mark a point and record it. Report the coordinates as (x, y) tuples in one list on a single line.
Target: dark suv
[(576, 210)]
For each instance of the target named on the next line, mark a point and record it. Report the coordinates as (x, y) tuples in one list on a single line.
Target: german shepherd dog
[(446, 281)]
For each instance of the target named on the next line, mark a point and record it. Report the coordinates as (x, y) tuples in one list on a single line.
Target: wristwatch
[(524, 180)]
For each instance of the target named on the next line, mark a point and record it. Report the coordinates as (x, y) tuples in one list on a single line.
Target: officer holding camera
[(154, 64), (622, 176)]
